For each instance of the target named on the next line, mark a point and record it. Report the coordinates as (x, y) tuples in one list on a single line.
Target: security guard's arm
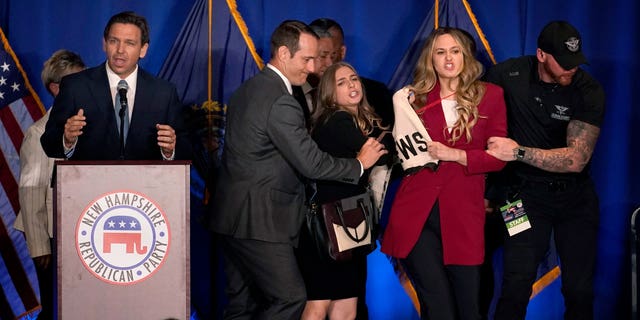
[(581, 141)]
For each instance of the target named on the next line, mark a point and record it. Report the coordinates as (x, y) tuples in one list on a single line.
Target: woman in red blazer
[(437, 219)]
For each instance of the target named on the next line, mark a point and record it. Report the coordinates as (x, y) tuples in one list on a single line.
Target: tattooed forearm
[(581, 140), (582, 137), (553, 160)]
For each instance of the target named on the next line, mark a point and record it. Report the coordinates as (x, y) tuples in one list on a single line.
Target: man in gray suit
[(259, 204)]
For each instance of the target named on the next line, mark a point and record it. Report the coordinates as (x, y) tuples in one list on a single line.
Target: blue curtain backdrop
[(378, 32)]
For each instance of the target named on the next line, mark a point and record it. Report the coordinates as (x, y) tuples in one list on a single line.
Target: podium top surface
[(122, 162)]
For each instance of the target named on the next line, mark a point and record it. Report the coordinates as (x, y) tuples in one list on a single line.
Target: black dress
[(326, 279)]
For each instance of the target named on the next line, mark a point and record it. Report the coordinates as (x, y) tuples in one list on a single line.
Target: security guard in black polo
[(555, 110)]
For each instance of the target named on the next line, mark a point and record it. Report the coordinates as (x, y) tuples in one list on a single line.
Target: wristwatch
[(518, 153)]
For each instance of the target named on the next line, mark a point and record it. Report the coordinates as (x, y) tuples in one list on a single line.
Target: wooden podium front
[(122, 240)]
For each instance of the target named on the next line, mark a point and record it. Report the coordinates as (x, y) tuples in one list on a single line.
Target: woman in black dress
[(346, 122)]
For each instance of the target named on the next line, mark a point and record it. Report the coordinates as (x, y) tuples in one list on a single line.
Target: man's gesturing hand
[(370, 152), (73, 128)]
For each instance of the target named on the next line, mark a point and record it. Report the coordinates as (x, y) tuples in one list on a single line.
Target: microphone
[(122, 88)]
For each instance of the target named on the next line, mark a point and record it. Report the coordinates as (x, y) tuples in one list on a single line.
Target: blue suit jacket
[(156, 102)]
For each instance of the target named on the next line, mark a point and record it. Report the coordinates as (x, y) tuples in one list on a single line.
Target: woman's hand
[(445, 153)]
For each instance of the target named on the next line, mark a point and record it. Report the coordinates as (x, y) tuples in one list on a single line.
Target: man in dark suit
[(84, 121), (259, 204)]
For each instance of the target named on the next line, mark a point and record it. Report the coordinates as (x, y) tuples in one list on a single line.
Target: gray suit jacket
[(267, 151)]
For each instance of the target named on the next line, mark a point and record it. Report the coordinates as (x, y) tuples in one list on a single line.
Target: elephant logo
[(123, 230), (123, 237)]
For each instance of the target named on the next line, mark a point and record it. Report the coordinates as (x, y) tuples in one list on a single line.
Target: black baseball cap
[(563, 42)]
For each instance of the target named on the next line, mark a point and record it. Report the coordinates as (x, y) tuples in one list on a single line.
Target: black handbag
[(339, 229)]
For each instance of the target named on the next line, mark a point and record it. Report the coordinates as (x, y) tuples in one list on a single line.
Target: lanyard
[(433, 103)]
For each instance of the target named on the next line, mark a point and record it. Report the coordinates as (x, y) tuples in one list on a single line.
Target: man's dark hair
[(326, 24), (322, 33), (288, 34), (129, 17)]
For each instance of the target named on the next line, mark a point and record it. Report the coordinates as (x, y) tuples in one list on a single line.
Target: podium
[(122, 240)]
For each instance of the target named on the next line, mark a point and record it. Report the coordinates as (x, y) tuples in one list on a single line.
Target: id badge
[(514, 217)]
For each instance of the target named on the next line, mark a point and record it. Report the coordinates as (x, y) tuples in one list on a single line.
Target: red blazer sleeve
[(492, 110)]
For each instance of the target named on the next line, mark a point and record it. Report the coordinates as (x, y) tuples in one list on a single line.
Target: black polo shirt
[(538, 113)]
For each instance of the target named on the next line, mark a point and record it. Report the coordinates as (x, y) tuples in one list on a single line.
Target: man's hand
[(502, 148), (166, 139), (73, 128), (370, 152)]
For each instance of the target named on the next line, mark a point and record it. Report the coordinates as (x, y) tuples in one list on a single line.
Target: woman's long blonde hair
[(469, 91), (366, 119)]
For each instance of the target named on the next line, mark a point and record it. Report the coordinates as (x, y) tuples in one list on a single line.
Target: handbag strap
[(365, 213)]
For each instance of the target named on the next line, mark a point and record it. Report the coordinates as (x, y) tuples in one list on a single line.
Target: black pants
[(45, 282), (445, 292), (494, 235), (570, 209), (263, 280)]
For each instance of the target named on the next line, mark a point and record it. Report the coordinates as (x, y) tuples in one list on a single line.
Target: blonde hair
[(470, 90), (366, 119), (60, 64)]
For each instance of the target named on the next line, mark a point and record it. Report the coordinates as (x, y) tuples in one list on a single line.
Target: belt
[(551, 184)]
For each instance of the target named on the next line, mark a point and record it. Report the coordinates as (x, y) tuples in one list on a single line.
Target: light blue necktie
[(122, 84)]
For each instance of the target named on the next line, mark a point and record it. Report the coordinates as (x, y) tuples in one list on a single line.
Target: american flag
[(19, 108)]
